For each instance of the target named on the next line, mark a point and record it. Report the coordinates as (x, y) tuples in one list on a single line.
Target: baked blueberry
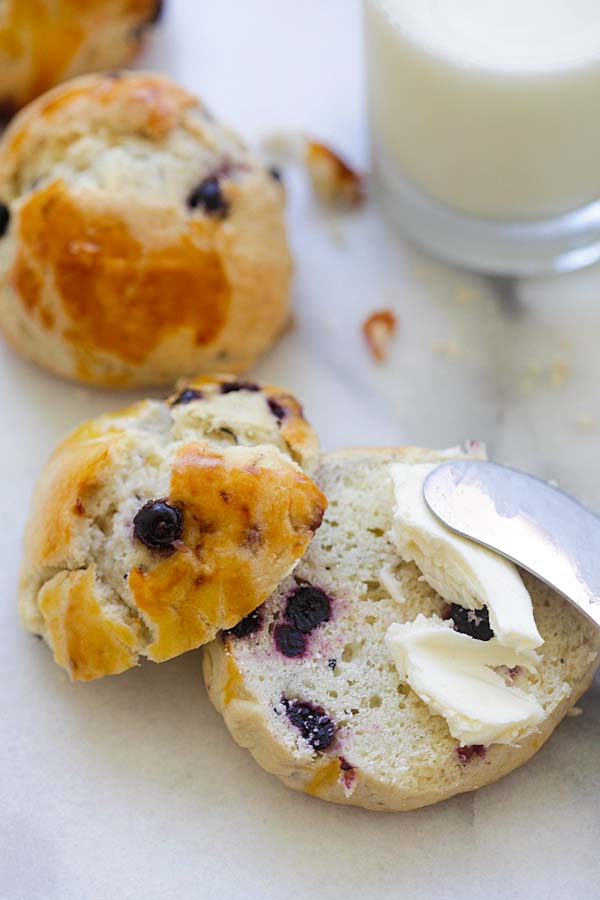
[(289, 640), (275, 173), (473, 622), (312, 722), (209, 196), (307, 607), (230, 387), (186, 396), (276, 409), (158, 524), (251, 623), (4, 219)]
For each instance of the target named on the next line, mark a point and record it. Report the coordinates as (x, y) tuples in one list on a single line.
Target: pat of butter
[(452, 674), (460, 570)]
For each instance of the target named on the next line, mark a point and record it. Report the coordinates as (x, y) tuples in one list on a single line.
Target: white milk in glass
[(488, 112)]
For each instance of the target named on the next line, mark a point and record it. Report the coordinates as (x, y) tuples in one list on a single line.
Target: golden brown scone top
[(220, 454), (43, 42), (113, 271)]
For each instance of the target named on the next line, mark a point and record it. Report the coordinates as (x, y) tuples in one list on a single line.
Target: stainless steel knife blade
[(525, 519)]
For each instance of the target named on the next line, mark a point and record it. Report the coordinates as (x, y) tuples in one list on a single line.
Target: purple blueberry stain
[(289, 641), (470, 752), (347, 772), (473, 622), (313, 723), (307, 608)]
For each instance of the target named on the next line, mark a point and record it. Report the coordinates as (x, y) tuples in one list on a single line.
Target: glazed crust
[(44, 42), (249, 513), (323, 776), (109, 275)]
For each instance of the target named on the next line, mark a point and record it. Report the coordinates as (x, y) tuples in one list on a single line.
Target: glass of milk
[(485, 128)]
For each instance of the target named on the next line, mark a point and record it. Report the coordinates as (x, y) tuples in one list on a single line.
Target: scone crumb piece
[(575, 712), (378, 329), (470, 752), (333, 180)]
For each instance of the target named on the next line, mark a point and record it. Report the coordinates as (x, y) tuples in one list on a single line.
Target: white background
[(131, 787)]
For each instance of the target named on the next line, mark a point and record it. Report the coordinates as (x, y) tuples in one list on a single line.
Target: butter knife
[(524, 519)]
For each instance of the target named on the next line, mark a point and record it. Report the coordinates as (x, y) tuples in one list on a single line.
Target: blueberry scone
[(43, 42), (399, 664), (139, 240), (155, 526)]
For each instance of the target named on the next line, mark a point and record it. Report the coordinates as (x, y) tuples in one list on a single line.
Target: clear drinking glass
[(485, 128)]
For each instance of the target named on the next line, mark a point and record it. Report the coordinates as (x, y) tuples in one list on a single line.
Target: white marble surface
[(131, 787)]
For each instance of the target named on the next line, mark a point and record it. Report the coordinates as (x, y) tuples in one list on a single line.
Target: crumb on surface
[(333, 180), (378, 329), (574, 712)]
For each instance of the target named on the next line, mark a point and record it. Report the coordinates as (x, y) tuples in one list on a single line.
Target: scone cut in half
[(140, 241), (44, 42), (399, 664), (156, 526)]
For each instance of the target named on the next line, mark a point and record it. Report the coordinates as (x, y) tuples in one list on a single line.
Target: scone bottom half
[(140, 240), (156, 526), (306, 682)]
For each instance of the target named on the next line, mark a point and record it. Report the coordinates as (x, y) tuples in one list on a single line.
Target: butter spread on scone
[(452, 672), (142, 242), (460, 570), (155, 526)]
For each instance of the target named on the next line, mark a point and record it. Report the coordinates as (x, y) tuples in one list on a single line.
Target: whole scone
[(141, 241), (155, 526), (43, 42), (307, 685)]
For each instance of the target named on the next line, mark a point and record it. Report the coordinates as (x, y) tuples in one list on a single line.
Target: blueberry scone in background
[(155, 526), (43, 42), (140, 241), (348, 682)]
